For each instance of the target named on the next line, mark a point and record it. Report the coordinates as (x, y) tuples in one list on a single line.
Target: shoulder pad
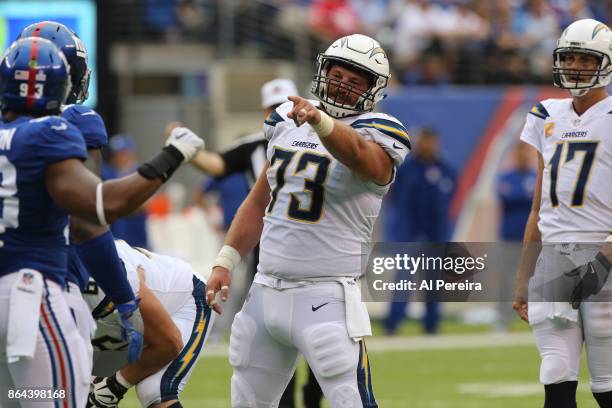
[(540, 111), (385, 124)]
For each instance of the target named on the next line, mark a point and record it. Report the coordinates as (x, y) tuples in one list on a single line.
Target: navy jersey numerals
[(314, 186), (589, 149)]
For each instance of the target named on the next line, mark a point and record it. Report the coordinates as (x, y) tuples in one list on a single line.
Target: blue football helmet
[(34, 77), (74, 50)]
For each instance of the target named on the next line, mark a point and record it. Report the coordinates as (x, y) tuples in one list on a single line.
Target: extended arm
[(73, 187), (366, 158), (80, 192)]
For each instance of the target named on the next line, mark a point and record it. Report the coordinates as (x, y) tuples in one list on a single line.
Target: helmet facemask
[(80, 89), (340, 105), (573, 79)]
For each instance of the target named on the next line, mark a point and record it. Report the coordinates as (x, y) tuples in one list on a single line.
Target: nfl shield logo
[(27, 278)]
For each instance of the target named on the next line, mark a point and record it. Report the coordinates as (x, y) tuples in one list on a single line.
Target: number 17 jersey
[(576, 204), (320, 213)]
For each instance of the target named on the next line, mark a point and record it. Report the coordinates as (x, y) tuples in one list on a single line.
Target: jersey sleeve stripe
[(388, 127), (273, 119), (539, 111)]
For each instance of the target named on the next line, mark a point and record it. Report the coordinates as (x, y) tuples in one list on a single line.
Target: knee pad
[(243, 395), (243, 332), (344, 396), (330, 350), (554, 369)]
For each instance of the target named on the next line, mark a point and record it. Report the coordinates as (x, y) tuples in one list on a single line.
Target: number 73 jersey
[(320, 213), (576, 203)]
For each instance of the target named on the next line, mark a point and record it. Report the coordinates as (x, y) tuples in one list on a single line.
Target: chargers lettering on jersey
[(306, 145), (570, 135), (6, 137)]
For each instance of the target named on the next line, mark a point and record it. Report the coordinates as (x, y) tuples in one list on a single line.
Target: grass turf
[(479, 377)]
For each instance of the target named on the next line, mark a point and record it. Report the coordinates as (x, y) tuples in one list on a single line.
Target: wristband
[(122, 381), (100, 205), (609, 239), (227, 258), (163, 165), (325, 125)]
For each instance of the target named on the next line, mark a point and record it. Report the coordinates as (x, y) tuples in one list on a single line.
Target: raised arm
[(81, 193), (366, 158)]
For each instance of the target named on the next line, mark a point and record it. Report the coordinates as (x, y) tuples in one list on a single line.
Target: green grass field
[(474, 377)]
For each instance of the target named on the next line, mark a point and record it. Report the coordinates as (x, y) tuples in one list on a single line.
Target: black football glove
[(105, 392), (590, 278)]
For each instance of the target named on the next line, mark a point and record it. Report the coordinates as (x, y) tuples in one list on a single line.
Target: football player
[(572, 217), (330, 162), (96, 253), (174, 319), (42, 179)]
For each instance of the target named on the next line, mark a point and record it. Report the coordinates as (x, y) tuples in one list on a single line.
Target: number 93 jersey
[(576, 204), (320, 213)]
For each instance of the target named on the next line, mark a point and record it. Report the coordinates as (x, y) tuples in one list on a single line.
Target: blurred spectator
[(537, 28), (515, 191), (193, 20), (432, 70), (415, 30), (421, 195), (123, 161), (504, 62), (374, 14), (160, 17), (575, 10), (331, 19)]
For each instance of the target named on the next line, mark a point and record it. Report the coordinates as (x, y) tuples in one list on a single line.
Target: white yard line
[(455, 341)]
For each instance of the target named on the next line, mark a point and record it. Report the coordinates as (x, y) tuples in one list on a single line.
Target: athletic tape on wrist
[(100, 205), (228, 258), (609, 239), (122, 381), (325, 125)]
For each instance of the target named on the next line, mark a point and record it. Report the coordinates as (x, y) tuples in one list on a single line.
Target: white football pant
[(275, 326)]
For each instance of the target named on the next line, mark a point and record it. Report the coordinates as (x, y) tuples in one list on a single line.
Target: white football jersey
[(576, 203), (169, 278), (320, 213)]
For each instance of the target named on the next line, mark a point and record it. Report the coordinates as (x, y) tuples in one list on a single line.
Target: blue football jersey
[(89, 122), (91, 125), (33, 230)]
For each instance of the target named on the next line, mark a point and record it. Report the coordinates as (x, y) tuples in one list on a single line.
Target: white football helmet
[(585, 36), (358, 52)]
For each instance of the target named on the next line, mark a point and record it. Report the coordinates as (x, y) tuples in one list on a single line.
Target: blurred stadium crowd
[(432, 42)]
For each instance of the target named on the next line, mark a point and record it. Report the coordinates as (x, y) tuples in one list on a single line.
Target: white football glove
[(187, 142), (105, 392)]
